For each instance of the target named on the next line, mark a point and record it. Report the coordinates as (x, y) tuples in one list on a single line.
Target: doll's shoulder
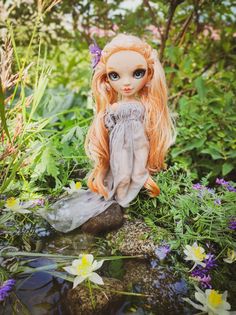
[(125, 105), (114, 106)]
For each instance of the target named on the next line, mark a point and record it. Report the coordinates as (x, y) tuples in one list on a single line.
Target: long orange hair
[(158, 123)]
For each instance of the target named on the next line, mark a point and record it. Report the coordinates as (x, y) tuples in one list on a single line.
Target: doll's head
[(123, 54), (129, 68), (127, 73)]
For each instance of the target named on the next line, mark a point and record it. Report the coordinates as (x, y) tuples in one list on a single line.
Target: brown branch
[(179, 38), (153, 17), (170, 15)]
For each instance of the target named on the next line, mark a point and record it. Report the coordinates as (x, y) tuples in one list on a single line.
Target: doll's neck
[(129, 99)]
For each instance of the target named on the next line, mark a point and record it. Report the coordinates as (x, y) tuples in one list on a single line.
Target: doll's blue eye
[(113, 76), (139, 73)]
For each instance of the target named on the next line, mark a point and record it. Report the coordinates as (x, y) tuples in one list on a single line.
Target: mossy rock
[(136, 238), (80, 303)]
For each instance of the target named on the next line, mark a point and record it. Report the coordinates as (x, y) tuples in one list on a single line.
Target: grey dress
[(127, 174)]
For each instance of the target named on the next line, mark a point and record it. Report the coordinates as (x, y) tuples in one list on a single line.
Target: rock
[(136, 238), (133, 239), (79, 299), (109, 220)]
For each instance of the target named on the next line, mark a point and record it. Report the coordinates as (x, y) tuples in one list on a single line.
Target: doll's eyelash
[(114, 76), (139, 73)]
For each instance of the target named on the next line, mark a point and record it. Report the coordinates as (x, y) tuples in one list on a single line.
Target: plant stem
[(91, 294)]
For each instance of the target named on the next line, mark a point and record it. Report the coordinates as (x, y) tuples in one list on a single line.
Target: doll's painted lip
[(127, 90)]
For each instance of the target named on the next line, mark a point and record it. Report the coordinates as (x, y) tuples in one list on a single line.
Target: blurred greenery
[(195, 40), (46, 107)]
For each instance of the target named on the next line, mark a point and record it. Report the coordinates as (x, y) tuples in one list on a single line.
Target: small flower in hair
[(95, 52)]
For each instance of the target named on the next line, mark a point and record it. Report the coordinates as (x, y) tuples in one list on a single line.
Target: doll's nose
[(126, 81)]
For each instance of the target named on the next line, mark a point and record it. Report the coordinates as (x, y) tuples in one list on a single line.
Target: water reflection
[(39, 293)]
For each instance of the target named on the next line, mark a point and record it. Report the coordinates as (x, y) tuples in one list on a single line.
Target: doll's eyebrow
[(140, 66), (135, 68)]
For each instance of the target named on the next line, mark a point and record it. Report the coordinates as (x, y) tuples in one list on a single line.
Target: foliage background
[(46, 107), (196, 43)]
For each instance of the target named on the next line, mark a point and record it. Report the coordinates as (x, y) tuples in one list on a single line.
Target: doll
[(129, 136)]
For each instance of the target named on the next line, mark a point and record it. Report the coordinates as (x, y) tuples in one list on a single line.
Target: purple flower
[(39, 202), (232, 224), (197, 186), (162, 251), (205, 281), (210, 190), (221, 181), (210, 262), (200, 271), (217, 202), (96, 53), (153, 263), (231, 188), (5, 288)]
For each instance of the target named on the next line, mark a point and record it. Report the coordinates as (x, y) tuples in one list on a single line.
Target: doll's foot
[(111, 219)]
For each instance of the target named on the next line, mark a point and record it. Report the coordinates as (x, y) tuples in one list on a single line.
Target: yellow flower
[(78, 185), (13, 204), (74, 187), (214, 298), (212, 302), (231, 256), (83, 268), (196, 254)]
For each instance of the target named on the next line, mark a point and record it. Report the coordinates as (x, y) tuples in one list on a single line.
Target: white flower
[(231, 256), (212, 302), (13, 204), (83, 268), (196, 254), (74, 187)]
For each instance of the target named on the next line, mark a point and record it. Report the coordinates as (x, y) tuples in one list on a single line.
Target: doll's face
[(127, 72)]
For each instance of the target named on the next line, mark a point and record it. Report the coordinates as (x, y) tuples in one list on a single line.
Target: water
[(41, 293)]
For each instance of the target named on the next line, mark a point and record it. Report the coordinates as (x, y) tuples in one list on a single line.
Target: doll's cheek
[(115, 86)]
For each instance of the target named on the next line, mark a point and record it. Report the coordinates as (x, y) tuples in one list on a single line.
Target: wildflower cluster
[(203, 264), (212, 302), (224, 183), (5, 289), (202, 189), (202, 274)]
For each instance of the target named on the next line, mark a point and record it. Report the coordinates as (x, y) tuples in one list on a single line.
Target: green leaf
[(226, 168), (48, 158), (73, 131), (214, 153), (200, 86), (2, 111), (48, 163)]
